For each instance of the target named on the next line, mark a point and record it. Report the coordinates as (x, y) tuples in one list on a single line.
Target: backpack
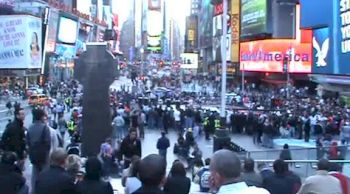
[(205, 179), (39, 151)]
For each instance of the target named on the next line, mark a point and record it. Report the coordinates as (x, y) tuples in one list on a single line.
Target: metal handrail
[(302, 161), (293, 149)]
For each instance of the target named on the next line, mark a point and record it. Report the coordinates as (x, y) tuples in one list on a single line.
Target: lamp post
[(142, 51)]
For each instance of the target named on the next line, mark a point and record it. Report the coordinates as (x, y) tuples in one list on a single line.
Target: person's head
[(73, 163), (93, 169), (8, 158), (59, 157), (178, 169), (20, 114), (163, 133), (133, 134), (323, 164), (248, 165), (279, 166), (152, 170), (39, 115), (207, 161), (285, 146), (225, 166)]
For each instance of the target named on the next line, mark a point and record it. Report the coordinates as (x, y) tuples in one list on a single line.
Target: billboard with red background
[(269, 56)]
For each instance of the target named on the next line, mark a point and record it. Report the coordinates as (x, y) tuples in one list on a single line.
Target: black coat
[(148, 190), (286, 184), (94, 186), (177, 185), (55, 180), (130, 148), (163, 143), (11, 181), (13, 138)]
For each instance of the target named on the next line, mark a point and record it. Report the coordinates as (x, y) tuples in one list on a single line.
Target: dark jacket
[(13, 138), (177, 185), (130, 148), (163, 143), (148, 190), (11, 180), (286, 184), (94, 186), (55, 180)]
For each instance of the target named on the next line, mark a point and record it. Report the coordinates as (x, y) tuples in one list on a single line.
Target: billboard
[(235, 30), (254, 17), (189, 61), (321, 53), (52, 31), (20, 42), (268, 56), (138, 23), (205, 24), (67, 30)]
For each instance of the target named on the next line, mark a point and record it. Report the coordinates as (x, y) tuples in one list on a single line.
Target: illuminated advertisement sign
[(138, 23), (235, 30), (52, 28), (254, 17), (269, 55), (189, 61), (321, 47)]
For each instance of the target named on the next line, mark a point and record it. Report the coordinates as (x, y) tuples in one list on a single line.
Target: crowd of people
[(59, 168)]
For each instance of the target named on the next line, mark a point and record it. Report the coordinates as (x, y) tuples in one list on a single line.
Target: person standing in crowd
[(202, 177), (39, 143), (152, 171), (249, 176), (285, 153), (118, 127), (13, 138), (11, 178), (265, 171), (55, 179), (132, 182), (62, 126), (92, 182), (163, 144), (281, 181), (129, 147), (177, 118), (322, 182), (225, 169), (177, 183)]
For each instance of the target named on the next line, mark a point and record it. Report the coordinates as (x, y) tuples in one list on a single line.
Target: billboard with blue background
[(328, 18)]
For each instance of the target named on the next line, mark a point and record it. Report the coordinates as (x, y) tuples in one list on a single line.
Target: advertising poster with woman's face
[(34, 49), (35, 43)]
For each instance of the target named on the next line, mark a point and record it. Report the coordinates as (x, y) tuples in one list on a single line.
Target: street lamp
[(223, 58), (142, 50)]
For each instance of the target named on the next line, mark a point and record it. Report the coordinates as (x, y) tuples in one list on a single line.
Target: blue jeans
[(162, 153), (188, 123)]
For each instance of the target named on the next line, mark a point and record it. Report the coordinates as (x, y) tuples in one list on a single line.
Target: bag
[(205, 179), (39, 151)]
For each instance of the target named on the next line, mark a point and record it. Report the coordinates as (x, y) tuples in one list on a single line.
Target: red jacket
[(343, 181)]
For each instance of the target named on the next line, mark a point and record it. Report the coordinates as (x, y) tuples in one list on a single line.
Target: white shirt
[(132, 184), (177, 115), (241, 188)]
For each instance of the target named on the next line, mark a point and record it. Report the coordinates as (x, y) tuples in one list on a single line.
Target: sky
[(178, 10)]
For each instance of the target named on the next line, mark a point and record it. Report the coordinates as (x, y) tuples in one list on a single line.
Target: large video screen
[(254, 17), (67, 31)]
